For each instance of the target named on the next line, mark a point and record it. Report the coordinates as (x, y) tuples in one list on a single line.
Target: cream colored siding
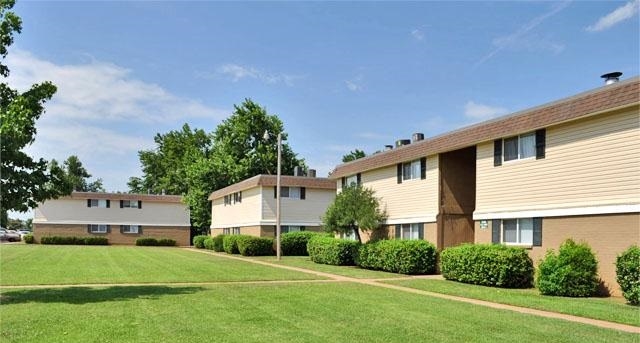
[(297, 211), (75, 211), (411, 199), (244, 213), (590, 162)]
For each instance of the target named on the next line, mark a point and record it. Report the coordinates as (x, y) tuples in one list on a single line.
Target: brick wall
[(179, 234)]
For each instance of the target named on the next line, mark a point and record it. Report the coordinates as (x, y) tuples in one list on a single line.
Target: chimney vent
[(417, 137), (610, 78), (388, 147), (311, 173), (298, 171), (401, 142)]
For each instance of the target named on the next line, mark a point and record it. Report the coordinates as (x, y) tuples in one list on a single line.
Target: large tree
[(77, 176), (25, 181), (353, 155), (354, 209)]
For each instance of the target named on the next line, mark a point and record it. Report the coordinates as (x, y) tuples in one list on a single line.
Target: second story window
[(100, 203), (413, 170), (233, 198), (130, 204), (520, 147), (291, 192)]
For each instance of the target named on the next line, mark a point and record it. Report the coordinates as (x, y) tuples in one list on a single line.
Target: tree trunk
[(357, 233)]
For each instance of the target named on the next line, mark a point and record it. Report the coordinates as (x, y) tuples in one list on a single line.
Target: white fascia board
[(411, 220), (86, 222), (559, 212)]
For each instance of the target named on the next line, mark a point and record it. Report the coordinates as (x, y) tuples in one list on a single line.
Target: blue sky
[(340, 75)]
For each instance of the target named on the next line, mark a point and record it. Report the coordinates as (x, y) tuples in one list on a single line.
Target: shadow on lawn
[(85, 295)]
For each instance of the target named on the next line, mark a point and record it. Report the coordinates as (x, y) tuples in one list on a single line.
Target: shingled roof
[(270, 180), (619, 95), (126, 196)]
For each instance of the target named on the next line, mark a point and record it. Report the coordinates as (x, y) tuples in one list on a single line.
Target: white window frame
[(130, 204), (519, 149), (522, 224), (351, 180), (413, 231), (132, 229), (235, 230), (349, 236), (290, 228), (226, 231), (98, 228), (411, 170), (99, 203)]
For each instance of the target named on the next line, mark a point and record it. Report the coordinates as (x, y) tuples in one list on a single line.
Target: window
[(231, 231), (517, 231), (410, 231), (290, 228), (350, 236), (412, 170), (520, 147), (130, 204), (226, 231), (100, 203), (291, 192), (233, 198), (130, 228), (98, 228), (351, 180)]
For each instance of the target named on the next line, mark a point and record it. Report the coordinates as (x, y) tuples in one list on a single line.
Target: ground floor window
[(130, 228), (517, 231), (231, 231), (410, 231), (98, 228), (290, 228), (351, 235)]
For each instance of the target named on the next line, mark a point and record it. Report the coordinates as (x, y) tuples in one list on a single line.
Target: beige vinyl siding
[(414, 198), (590, 162), (244, 213), (297, 211), (75, 211)]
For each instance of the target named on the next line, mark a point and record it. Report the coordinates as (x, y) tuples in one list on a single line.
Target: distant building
[(249, 207), (121, 218)]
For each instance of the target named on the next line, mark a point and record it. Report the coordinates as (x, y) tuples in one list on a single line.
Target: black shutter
[(139, 203), (121, 203), (398, 231), (495, 231), (108, 203), (423, 168), (121, 227), (275, 192), (359, 179), (421, 230), (88, 202), (344, 182), (497, 152), (108, 228), (302, 228), (303, 193), (88, 228), (541, 141), (537, 232), (140, 229), (399, 172)]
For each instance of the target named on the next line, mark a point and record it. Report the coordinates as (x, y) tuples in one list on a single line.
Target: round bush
[(573, 272), (208, 243), (295, 243), (230, 244), (398, 256), (488, 265), (628, 274), (329, 250), (29, 239), (166, 242), (254, 246), (198, 241), (218, 243), (146, 242)]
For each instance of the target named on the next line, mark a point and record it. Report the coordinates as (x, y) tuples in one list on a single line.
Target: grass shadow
[(86, 295)]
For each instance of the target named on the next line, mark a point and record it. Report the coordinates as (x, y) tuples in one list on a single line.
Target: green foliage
[(218, 243), (71, 240), (573, 272), (153, 242), (329, 250), (398, 256), (208, 243), (628, 274), (166, 242), (29, 239), (353, 155), (295, 243), (9, 23), (487, 265), (198, 241), (230, 244), (77, 176), (354, 208), (254, 246)]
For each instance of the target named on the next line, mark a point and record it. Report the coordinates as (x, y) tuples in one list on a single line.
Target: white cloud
[(515, 38), (103, 91), (354, 84), (417, 34), (478, 112), (618, 15), (238, 72)]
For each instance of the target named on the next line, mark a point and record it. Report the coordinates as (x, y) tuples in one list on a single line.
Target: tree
[(25, 181), (353, 155), (77, 176), (355, 208)]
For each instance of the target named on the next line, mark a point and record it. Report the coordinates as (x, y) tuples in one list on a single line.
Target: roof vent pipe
[(388, 147), (417, 137), (610, 78), (298, 171), (401, 142), (311, 173)]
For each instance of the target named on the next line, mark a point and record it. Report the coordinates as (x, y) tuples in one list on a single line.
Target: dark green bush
[(95, 241), (29, 239), (295, 243), (148, 242), (628, 274), (329, 250), (573, 272), (208, 243), (254, 246), (198, 241), (166, 242), (398, 256), (230, 244), (218, 243), (487, 265), (71, 240)]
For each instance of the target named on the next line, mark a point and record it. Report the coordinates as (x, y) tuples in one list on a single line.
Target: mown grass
[(47, 264), (350, 271), (609, 309), (329, 312)]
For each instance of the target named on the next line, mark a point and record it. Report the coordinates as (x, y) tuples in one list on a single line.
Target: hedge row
[(70, 240), (162, 242), (295, 243), (488, 265), (198, 241), (329, 250), (29, 239), (254, 246), (398, 256), (628, 274)]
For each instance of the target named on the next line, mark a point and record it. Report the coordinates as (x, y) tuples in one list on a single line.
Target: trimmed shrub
[(208, 243), (29, 239), (254, 246), (488, 265), (218, 243), (398, 256), (329, 250), (573, 272), (95, 241), (295, 243), (71, 240), (198, 241), (166, 242), (230, 244), (147, 242), (628, 274)]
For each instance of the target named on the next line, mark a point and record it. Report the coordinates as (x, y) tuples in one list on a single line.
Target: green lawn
[(330, 312), (48, 264), (610, 309), (350, 271)]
